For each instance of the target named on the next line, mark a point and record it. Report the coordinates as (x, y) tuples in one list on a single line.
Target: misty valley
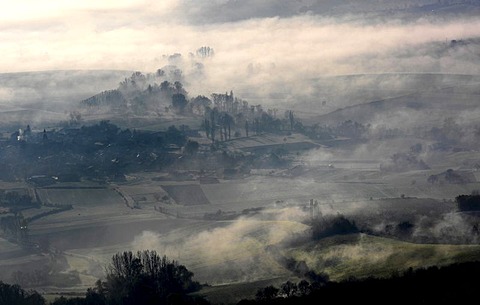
[(243, 195), (278, 152)]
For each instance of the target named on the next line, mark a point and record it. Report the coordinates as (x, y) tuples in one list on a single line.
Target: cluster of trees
[(15, 295), (449, 176), (141, 94), (453, 135), (100, 151), (449, 133), (144, 278), (15, 227), (132, 278), (332, 225), (205, 52), (291, 289), (402, 229), (454, 284), (348, 129), (225, 115), (15, 200), (404, 161), (351, 129), (467, 203)]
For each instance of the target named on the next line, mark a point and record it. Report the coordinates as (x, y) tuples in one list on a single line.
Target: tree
[(166, 87), (179, 88), (207, 127), (289, 289), (191, 147), (337, 225), (227, 122), (291, 118), (144, 278), (175, 136), (15, 295), (205, 52), (304, 287), (200, 104), (75, 117), (213, 114), (267, 293), (468, 202), (179, 102)]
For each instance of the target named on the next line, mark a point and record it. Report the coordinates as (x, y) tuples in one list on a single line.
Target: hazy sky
[(255, 46)]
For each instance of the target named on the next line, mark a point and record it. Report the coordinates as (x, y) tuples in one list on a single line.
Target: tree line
[(453, 284), (141, 278)]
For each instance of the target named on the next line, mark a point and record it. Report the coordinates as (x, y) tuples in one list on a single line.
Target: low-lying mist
[(233, 251), (256, 247)]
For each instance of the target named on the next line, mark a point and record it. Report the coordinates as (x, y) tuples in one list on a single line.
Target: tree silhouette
[(15, 295), (144, 278), (289, 289), (179, 102), (266, 294), (191, 147)]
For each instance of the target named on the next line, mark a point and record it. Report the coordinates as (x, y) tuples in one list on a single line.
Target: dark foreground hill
[(454, 284)]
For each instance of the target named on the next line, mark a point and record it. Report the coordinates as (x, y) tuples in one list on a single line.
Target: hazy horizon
[(267, 50)]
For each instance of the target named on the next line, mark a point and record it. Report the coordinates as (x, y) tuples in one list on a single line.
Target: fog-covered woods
[(141, 94)]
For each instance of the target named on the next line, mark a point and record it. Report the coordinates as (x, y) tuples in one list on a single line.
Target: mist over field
[(257, 144)]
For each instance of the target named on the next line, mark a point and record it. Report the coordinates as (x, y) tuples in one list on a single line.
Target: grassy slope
[(363, 255), (356, 255)]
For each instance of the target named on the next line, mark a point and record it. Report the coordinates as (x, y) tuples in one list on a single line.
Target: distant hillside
[(41, 89), (421, 100), (228, 11)]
